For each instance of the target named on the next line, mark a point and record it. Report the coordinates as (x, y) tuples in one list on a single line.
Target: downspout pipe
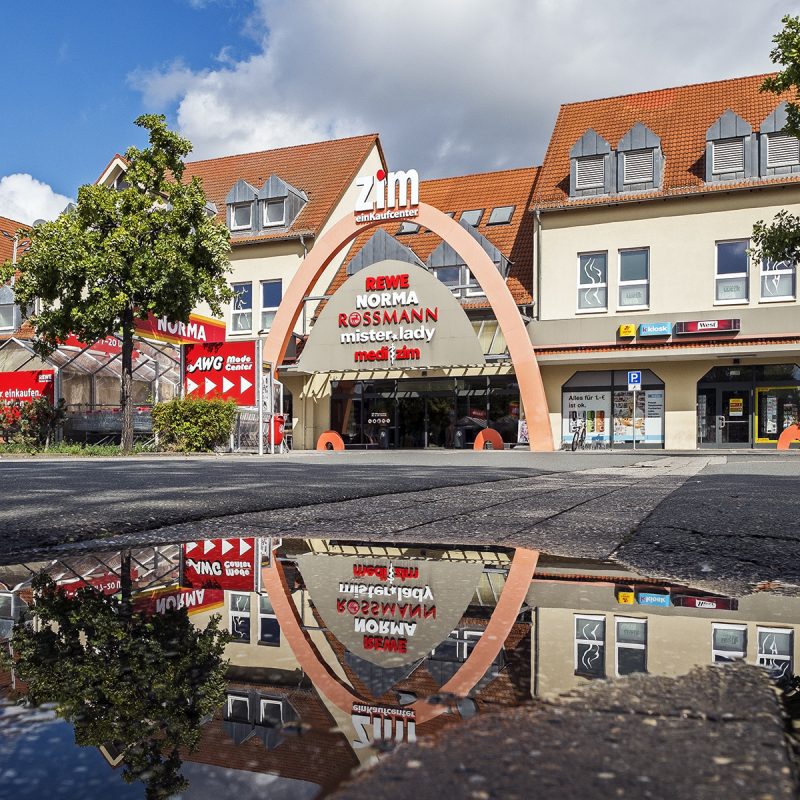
[(538, 281)]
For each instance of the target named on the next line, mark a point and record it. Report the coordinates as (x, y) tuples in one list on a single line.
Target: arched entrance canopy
[(480, 265)]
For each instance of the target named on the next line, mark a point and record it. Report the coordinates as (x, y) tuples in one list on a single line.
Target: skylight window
[(408, 227), (501, 215), (472, 217)]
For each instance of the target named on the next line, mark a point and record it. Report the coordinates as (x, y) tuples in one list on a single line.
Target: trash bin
[(383, 439), (459, 438)]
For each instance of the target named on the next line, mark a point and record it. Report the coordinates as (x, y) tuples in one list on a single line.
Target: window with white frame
[(238, 709), (634, 278), (241, 216), (732, 272), (590, 172), (727, 155), (590, 646), (271, 712), (501, 215), (6, 315), (777, 280), (271, 296), (457, 646), (631, 645), (269, 631), (782, 150), (274, 213), (592, 281), (459, 279), (242, 307), (728, 642), (239, 616), (775, 649), (638, 166)]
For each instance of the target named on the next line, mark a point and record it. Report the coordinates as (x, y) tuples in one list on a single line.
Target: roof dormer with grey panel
[(241, 203), (779, 152), (731, 149), (445, 256), (640, 161), (381, 247), (279, 203), (591, 166)]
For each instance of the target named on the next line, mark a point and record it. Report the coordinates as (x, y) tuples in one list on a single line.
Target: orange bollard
[(490, 436), (788, 436), (330, 440)]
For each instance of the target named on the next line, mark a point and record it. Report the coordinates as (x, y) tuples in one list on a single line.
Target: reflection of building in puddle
[(595, 620)]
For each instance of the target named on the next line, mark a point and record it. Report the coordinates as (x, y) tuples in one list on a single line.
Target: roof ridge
[(288, 147), (667, 89), (482, 174), (14, 222)]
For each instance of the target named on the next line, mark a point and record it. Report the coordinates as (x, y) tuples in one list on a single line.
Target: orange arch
[(490, 436), (330, 438), (505, 614), (520, 349), (788, 436)]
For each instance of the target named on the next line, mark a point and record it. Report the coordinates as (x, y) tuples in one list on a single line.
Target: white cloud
[(24, 199), (451, 85)]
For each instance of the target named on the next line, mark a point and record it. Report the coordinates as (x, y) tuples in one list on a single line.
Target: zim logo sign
[(395, 190)]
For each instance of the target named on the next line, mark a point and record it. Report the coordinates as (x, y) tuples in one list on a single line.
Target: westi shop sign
[(391, 315), (219, 564), (226, 370)]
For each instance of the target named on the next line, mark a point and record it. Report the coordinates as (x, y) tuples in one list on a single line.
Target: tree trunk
[(126, 391)]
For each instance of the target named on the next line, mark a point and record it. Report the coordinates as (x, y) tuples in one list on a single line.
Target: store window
[(728, 642), (239, 616), (242, 308), (271, 296), (631, 645), (592, 282), (601, 403), (731, 274), (269, 631), (775, 649), (634, 278), (590, 646), (777, 281)]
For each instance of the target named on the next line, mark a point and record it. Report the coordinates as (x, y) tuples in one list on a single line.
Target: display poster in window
[(771, 414), (592, 409), (789, 414), (654, 415), (649, 416), (736, 407), (523, 437), (219, 564), (389, 611)]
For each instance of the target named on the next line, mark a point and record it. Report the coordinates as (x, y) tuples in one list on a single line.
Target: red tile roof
[(486, 191), (680, 116), (9, 226), (323, 170)]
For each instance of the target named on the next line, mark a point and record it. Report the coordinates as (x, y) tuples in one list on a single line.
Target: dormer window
[(782, 150), (242, 216), (638, 166), (729, 149), (591, 170), (639, 160), (274, 213), (780, 153)]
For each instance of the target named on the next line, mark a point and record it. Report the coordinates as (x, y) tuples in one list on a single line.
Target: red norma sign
[(197, 329), (225, 370), (26, 385), (220, 564)]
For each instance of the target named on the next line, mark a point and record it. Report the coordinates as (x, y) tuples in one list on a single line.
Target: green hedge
[(194, 424)]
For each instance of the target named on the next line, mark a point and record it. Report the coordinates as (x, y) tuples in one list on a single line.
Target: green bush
[(30, 424), (194, 424)]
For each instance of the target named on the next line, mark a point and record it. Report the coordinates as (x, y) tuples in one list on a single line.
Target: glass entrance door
[(724, 416)]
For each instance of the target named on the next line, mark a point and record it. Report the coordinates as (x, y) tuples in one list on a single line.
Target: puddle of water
[(264, 667)]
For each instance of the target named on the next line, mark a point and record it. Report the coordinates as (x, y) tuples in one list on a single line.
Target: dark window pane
[(271, 713), (271, 294), (775, 643), (591, 660), (270, 631), (729, 640), (631, 632), (591, 629), (633, 265), (731, 257), (243, 296), (239, 709), (240, 628), (631, 660), (449, 275), (592, 269)]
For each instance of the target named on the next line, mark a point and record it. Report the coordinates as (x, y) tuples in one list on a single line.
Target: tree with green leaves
[(140, 683), (779, 240), (149, 245)]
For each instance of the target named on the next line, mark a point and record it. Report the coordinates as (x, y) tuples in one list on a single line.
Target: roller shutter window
[(728, 156), (638, 166), (590, 172), (783, 150)]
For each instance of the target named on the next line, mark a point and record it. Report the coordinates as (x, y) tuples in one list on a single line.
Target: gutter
[(289, 237), (538, 266)]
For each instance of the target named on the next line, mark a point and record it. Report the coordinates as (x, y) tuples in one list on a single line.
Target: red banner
[(26, 385), (707, 326), (110, 345), (220, 564), (109, 583), (197, 330), (225, 370), (194, 601)]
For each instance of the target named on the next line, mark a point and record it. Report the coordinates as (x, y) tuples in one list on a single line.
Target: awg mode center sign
[(226, 370)]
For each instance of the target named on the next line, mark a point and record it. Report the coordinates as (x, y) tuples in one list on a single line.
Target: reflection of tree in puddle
[(136, 684)]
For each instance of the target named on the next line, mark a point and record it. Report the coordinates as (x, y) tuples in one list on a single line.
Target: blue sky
[(452, 86)]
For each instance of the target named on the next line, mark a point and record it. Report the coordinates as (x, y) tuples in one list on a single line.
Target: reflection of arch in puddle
[(485, 651)]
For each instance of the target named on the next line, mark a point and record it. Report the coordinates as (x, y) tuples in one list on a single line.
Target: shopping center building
[(627, 250)]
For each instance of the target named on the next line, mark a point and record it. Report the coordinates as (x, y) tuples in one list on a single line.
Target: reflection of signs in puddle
[(374, 724), (220, 564), (389, 611)]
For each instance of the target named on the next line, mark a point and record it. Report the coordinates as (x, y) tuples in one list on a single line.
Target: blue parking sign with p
[(635, 377)]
